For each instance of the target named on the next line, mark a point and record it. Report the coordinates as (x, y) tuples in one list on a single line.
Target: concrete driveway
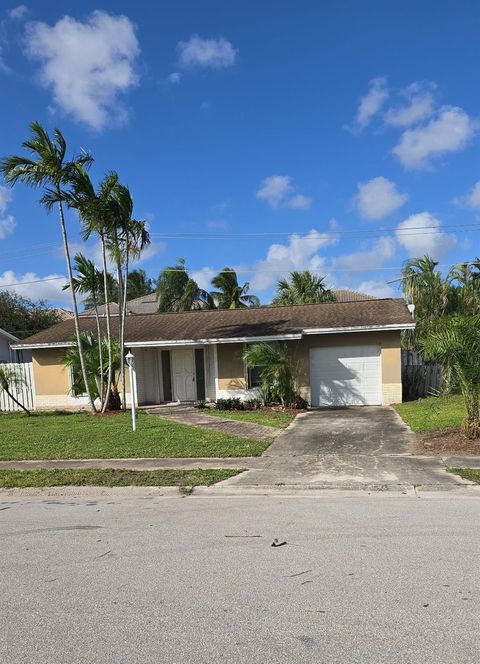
[(348, 448)]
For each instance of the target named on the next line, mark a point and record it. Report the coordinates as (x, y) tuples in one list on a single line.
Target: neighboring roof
[(102, 310), (230, 325), (145, 304), (9, 336), (64, 314), (347, 295)]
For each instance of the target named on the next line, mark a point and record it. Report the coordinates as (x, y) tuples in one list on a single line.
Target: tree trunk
[(109, 329), (122, 333), (100, 354), (121, 291), (17, 402), (75, 307)]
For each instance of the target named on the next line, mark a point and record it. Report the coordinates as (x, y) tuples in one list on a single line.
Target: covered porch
[(167, 374)]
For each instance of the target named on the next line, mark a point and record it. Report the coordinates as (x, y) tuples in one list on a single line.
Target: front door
[(183, 374)]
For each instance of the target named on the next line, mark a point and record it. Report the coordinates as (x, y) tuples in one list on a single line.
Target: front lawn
[(472, 474), (84, 436), (111, 477), (432, 413), (268, 418)]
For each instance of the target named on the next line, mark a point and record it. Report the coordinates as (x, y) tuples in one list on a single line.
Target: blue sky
[(335, 136)]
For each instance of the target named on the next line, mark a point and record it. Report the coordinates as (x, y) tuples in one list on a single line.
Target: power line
[(239, 271)]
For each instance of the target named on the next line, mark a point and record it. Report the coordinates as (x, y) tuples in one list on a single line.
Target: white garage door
[(345, 376)]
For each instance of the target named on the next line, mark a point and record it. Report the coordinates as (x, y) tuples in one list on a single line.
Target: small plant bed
[(57, 435), (436, 422), (266, 416), (111, 477), (472, 474)]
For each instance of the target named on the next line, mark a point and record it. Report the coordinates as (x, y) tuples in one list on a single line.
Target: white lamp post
[(133, 386)]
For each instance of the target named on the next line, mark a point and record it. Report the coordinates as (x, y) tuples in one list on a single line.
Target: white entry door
[(345, 376), (183, 374)]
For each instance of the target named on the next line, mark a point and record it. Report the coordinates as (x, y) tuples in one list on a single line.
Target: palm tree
[(176, 291), (139, 284), (229, 293), (464, 282), (277, 371), (303, 287), (48, 168), (433, 297), (94, 207), (88, 281), (127, 239), (454, 341), (98, 369), (8, 378)]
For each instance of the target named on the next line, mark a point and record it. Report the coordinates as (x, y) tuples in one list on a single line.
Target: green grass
[(472, 474), (432, 413), (111, 477), (269, 418), (84, 436)]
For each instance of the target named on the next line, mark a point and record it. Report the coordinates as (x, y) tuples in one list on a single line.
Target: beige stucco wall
[(52, 381), (231, 370)]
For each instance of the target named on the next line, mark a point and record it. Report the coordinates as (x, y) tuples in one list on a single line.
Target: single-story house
[(346, 353), (9, 354)]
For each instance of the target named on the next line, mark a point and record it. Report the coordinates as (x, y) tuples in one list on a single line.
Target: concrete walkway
[(197, 418)]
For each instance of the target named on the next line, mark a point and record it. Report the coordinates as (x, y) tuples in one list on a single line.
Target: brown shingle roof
[(347, 295), (234, 323)]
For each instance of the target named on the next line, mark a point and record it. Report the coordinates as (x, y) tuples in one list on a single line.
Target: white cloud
[(419, 106), (278, 191), (18, 13), (217, 225), (86, 65), (207, 53), (7, 225), (449, 131), (383, 249), (203, 277), (300, 253), (371, 103), (299, 202), (377, 288), (472, 199), (5, 198), (46, 288), (378, 198), (411, 234), (174, 77)]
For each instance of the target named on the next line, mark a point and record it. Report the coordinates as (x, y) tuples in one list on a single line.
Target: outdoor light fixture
[(133, 386)]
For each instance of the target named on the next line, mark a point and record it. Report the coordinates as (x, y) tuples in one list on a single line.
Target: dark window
[(200, 373), (166, 376), (254, 376)]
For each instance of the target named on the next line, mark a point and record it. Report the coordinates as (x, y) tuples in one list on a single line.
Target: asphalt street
[(378, 578)]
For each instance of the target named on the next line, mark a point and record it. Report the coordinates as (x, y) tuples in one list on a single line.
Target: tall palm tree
[(48, 168), (303, 287), (139, 284), (94, 207), (88, 281), (127, 239), (230, 294), (464, 282), (424, 287), (176, 291)]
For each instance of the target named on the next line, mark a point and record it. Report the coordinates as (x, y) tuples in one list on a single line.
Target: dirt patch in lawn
[(445, 442)]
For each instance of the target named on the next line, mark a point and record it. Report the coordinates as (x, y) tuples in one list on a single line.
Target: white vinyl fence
[(22, 391)]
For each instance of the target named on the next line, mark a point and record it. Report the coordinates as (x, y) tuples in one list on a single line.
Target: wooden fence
[(22, 389), (419, 379)]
